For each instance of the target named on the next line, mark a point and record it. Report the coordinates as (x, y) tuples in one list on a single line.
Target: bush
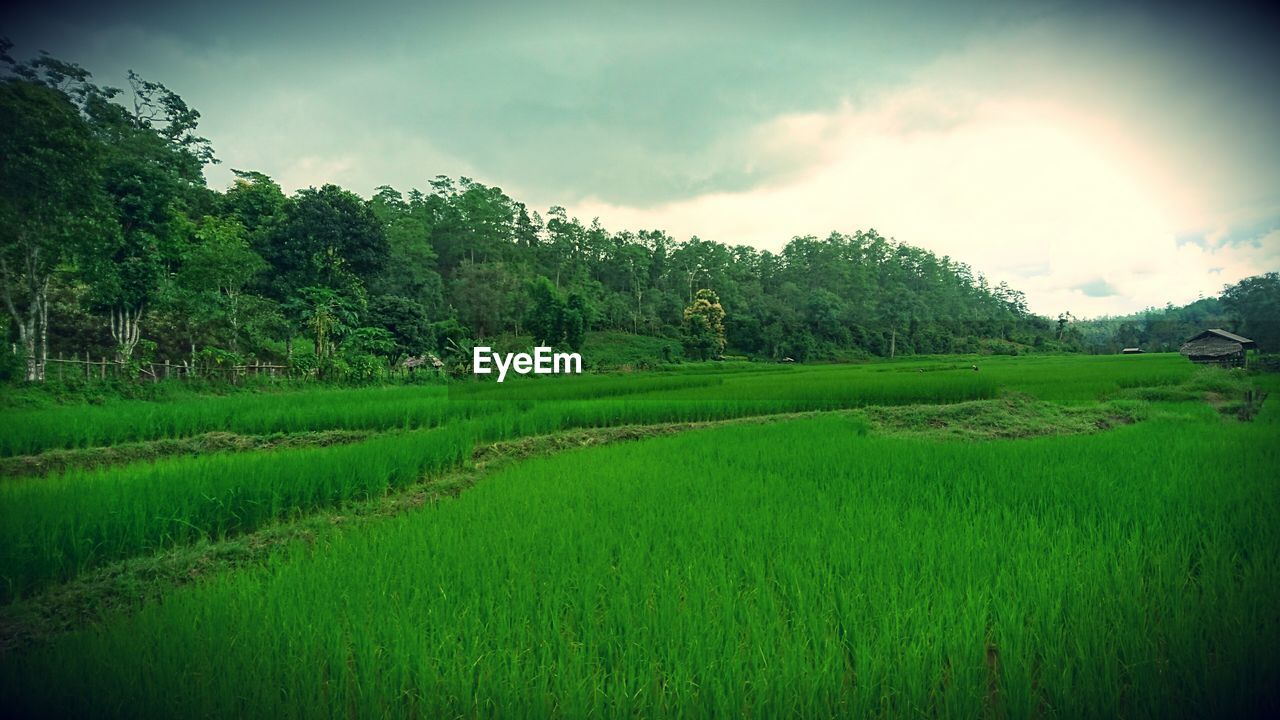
[(13, 366)]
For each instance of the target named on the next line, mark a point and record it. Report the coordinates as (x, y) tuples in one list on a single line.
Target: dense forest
[(114, 246)]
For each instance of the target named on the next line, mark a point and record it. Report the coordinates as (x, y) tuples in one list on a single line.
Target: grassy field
[(1044, 536)]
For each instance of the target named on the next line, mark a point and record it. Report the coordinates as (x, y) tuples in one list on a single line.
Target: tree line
[(1250, 307), (114, 244)]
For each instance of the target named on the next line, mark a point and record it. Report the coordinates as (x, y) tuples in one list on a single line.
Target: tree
[(259, 205), (545, 317), (152, 173), (50, 201), (327, 315), (704, 326), (554, 319), (329, 238), (1255, 305), (481, 294), (218, 268), (406, 320), (577, 318), (411, 268)]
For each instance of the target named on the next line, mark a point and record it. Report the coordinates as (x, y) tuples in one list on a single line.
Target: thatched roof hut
[(1217, 346), (424, 360)]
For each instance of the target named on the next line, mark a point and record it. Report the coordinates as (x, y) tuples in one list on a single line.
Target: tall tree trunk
[(893, 343), (33, 321), (126, 330), (44, 331), (234, 302)]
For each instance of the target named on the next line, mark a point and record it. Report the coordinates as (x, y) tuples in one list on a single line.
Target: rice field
[(771, 387), (809, 567)]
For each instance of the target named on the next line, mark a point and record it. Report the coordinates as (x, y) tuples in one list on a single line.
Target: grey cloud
[(1097, 289)]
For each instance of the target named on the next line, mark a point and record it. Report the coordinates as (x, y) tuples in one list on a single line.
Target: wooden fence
[(61, 368)]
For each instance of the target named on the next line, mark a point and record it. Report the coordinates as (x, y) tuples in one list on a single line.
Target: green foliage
[(112, 190), (406, 321), (1256, 302), (545, 318), (1108, 581), (607, 350), (327, 316), (704, 326), (1249, 307), (555, 320), (328, 238), (51, 197), (577, 317), (13, 366)]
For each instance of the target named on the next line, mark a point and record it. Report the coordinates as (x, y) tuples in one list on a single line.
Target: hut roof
[(426, 359), (1210, 346), (1132, 351), (1223, 334)]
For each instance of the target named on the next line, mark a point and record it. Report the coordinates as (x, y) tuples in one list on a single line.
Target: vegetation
[(984, 523), (1127, 571), (113, 246), (1250, 307)]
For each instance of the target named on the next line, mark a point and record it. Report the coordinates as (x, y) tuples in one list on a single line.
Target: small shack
[(423, 361), (1218, 347), (1132, 351)]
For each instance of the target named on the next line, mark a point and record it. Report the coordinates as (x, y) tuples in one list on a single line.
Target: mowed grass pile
[(797, 569), (30, 431)]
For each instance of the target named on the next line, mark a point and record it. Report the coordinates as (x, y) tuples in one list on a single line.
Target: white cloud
[(1048, 186)]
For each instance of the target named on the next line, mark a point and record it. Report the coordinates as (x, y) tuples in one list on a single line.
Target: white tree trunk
[(126, 330), (44, 330), (33, 331)]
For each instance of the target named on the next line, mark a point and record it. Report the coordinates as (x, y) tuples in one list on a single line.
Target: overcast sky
[(1101, 157)]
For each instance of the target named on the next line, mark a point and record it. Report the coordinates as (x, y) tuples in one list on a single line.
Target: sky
[(1102, 157)]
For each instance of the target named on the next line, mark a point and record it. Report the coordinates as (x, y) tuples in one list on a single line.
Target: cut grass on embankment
[(746, 570), (60, 461)]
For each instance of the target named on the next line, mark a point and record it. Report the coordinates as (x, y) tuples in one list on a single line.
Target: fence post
[(86, 364), (102, 369)]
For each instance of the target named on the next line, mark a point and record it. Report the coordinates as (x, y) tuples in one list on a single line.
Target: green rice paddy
[(815, 566)]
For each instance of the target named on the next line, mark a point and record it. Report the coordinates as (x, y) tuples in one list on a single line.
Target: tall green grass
[(24, 432), (774, 388), (56, 527), (51, 529), (800, 569)]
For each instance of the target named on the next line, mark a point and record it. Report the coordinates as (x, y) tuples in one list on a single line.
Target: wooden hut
[(422, 361), (1132, 351), (1218, 347)]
